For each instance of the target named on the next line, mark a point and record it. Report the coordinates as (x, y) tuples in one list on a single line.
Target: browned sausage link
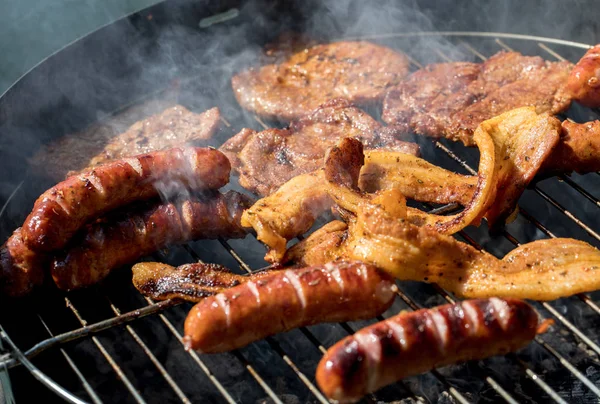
[(65, 208), (412, 343), (124, 237), (21, 268), (584, 80), (287, 299)]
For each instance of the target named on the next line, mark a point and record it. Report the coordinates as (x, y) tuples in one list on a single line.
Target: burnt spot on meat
[(350, 363)]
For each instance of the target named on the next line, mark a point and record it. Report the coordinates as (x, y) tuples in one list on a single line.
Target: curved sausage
[(128, 235), (584, 81), (415, 342), (21, 269), (287, 299), (65, 208)]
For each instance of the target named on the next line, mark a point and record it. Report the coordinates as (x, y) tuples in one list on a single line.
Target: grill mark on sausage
[(135, 164), (337, 276), (441, 325), (254, 290), (371, 345), (224, 304), (500, 309), (297, 284)]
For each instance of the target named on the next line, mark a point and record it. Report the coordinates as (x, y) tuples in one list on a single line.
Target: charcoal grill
[(110, 344)]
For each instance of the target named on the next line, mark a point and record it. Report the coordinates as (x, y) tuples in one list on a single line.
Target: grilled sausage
[(415, 342), (65, 208), (584, 80), (128, 235), (287, 299), (20, 267)]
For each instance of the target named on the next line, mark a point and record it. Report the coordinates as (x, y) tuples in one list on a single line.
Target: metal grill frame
[(17, 356)]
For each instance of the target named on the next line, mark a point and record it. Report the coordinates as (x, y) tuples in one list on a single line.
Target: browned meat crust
[(191, 282), (21, 269), (266, 160), (451, 99), (99, 144), (124, 236), (578, 149), (360, 72), (584, 80)]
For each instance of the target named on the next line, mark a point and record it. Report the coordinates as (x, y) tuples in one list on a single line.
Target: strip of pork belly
[(190, 282)]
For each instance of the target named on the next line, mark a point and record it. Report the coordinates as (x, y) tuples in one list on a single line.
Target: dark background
[(31, 30)]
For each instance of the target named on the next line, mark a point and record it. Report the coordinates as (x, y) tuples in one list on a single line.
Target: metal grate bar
[(569, 366), (66, 395), (87, 330), (152, 357), (86, 385), (533, 376), (580, 189), (136, 395), (194, 356), (236, 352), (552, 52)]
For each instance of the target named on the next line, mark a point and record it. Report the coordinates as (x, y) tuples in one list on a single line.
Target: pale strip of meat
[(378, 234), (190, 282)]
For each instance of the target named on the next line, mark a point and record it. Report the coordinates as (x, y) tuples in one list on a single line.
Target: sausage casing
[(21, 268), (584, 80), (63, 209), (411, 343), (128, 235), (287, 299)]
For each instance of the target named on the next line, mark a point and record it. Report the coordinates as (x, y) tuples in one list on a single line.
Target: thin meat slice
[(191, 282), (356, 71), (266, 160), (121, 137), (451, 99)]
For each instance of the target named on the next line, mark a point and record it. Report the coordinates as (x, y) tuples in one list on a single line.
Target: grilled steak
[(99, 144), (266, 160), (451, 99), (360, 72)]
